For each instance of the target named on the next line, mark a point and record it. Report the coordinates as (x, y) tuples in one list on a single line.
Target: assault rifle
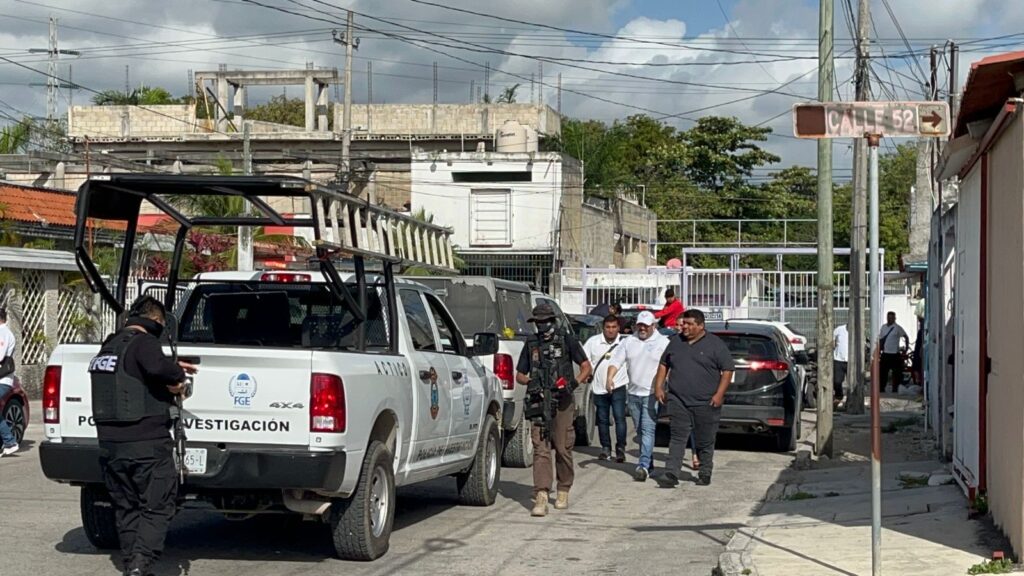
[(546, 387)]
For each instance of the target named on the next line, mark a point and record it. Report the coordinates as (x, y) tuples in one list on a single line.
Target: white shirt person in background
[(609, 395), (10, 442)]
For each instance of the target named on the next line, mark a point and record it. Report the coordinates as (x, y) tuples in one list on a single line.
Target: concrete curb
[(737, 560)]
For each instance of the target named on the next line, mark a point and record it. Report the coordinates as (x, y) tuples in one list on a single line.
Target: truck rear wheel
[(98, 518), (519, 450), (361, 524), (479, 485)]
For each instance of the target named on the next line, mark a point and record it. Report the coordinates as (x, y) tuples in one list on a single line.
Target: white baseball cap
[(645, 317)]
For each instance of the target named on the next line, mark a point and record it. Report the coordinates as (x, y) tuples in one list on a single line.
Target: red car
[(14, 409)]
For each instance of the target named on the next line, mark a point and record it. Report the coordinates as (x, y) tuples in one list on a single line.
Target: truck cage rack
[(344, 227)]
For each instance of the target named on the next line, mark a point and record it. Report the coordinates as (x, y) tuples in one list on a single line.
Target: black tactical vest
[(116, 395), (556, 351)]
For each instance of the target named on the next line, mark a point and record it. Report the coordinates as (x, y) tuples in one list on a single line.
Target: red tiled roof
[(43, 207)]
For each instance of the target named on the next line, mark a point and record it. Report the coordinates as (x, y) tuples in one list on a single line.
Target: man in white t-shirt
[(641, 355), (609, 395), (840, 362), (10, 443)]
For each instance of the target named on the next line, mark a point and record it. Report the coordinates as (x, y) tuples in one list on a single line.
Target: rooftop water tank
[(512, 137)]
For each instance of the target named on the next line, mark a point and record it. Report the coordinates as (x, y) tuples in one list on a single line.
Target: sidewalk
[(816, 520)]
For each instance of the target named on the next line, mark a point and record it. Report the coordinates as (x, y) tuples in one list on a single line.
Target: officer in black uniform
[(563, 350), (133, 389)]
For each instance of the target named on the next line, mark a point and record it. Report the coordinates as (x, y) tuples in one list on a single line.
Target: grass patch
[(832, 494), (801, 496), (1001, 566), (747, 571), (907, 482)]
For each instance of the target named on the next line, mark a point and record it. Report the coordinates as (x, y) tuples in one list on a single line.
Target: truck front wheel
[(361, 524), (98, 519)]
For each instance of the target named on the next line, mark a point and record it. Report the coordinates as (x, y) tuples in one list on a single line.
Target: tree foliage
[(716, 170), (15, 138), (141, 96), (508, 95)]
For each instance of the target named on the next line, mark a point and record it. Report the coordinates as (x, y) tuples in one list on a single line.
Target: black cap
[(542, 313)]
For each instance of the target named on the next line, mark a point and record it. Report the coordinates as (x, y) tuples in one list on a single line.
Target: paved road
[(614, 526)]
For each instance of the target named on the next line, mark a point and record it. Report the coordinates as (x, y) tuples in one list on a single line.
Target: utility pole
[(858, 232), (559, 93), (350, 43), (954, 80), (245, 248), (487, 81), (53, 84), (823, 443)]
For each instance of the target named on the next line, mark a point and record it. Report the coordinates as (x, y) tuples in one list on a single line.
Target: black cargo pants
[(702, 420), (143, 483)]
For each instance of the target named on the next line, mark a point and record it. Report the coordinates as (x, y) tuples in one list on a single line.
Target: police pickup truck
[(318, 392)]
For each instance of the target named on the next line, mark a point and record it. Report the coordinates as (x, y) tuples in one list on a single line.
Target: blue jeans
[(6, 435), (609, 405), (645, 417)]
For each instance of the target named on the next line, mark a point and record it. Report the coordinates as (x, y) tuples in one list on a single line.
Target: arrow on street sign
[(859, 119)]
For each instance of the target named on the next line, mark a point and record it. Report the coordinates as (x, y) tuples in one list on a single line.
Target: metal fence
[(788, 296)]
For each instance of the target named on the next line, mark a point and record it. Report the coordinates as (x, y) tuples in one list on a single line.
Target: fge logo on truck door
[(242, 389)]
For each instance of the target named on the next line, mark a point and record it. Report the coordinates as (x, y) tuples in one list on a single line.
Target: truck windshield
[(280, 316), (471, 305)]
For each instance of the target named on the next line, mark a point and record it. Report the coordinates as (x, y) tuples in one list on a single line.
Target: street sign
[(859, 119)]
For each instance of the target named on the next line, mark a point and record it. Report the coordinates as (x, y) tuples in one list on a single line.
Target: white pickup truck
[(299, 404)]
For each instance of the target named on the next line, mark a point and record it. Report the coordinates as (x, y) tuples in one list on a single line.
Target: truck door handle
[(456, 375)]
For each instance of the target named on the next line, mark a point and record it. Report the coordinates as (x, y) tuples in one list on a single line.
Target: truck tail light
[(51, 395), (326, 403), (504, 371), (285, 277)]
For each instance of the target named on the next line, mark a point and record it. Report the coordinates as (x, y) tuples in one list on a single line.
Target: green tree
[(16, 138), (142, 96), (282, 110), (897, 174)]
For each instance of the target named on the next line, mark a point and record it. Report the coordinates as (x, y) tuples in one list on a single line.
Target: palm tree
[(508, 95), (15, 138)]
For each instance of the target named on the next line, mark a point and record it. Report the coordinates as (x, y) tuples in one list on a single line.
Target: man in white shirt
[(840, 361), (641, 355), (890, 340), (609, 395), (10, 443)]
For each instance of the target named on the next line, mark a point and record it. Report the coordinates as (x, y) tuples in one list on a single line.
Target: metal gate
[(722, 293)]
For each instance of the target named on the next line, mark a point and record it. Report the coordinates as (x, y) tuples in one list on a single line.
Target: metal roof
[(33, 259), (989, 83)]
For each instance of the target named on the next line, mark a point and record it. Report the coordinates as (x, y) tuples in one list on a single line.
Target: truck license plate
[(195, 460)]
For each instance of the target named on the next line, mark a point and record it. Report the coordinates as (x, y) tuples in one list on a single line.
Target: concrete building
[(522, 215), (987, 155)]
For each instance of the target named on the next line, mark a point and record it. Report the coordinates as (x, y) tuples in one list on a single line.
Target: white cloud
[(402, 73)]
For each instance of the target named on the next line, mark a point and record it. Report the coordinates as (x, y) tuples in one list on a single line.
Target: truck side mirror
[(484, 344)]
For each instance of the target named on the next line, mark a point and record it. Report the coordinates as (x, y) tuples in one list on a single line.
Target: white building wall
[(533, 206), (966, 423)]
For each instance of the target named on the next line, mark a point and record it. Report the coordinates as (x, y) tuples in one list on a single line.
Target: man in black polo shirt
[(698, 368)]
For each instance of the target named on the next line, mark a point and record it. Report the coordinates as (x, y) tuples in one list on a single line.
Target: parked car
[(796, 349), (796, 339), (586, 325), (763, 397), (14, 409)]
